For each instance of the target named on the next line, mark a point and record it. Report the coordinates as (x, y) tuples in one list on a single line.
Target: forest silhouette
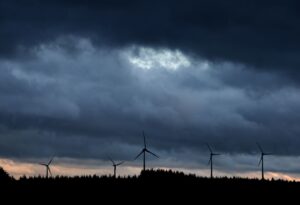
[(150, 183)]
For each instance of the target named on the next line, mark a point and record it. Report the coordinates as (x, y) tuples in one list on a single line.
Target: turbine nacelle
[(261, 161), (115, 165), (210, 162), (48, 170), (144, 151)]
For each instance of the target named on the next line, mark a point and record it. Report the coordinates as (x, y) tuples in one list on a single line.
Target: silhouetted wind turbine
[(144, 150), (115, 166), (212, 154), (47, 167), (261, 161)]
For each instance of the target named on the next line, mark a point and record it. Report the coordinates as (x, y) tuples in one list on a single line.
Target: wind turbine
[(48, 171), (261, 161), (144, 151), (115, 166), (210, 162)]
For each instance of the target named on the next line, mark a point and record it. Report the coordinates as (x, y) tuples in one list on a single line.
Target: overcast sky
[(81, 80)]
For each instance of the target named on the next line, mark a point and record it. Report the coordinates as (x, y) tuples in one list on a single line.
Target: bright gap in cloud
[(149, 58)]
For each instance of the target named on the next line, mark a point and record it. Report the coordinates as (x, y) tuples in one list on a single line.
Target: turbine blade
[(50, 161), (43, 164), (216, 154), (145, 145), (268, 153), (209, 161), (139, 155), (209, 147), (259, 147), (49, 171), (152, 153), (260, 161), (112, 161), (119, 163)]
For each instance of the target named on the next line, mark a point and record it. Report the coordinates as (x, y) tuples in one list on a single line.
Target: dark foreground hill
[(150, 186)]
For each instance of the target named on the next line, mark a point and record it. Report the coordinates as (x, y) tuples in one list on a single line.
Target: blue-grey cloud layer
[(81, 103), (263, 34), (67, 87)]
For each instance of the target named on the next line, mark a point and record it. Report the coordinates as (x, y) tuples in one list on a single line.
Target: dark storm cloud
[(71, 84), (263, 34), (80, 104)]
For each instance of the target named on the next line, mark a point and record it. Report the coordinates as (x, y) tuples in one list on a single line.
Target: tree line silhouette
[(145, 151), (162, 183)]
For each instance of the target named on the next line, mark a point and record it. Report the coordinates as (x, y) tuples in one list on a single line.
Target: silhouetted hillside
[(150, 185), (4, 176)]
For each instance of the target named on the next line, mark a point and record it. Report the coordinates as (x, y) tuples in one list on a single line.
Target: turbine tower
[(144, 151), (210, 162), (261, 161), (48, 170), (115, 166)]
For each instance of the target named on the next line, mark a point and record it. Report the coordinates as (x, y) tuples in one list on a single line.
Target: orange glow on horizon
[(18, 169)]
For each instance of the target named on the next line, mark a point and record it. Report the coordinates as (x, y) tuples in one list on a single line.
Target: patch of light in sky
[(148, 58)]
